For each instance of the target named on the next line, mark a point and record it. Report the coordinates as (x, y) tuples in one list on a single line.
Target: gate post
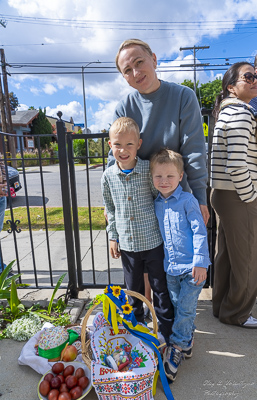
[(66, 201)]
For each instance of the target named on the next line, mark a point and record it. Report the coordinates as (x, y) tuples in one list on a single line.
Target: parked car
[(14, 180)]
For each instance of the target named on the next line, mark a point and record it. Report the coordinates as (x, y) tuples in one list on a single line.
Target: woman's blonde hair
[(166, 156), (132, 42)]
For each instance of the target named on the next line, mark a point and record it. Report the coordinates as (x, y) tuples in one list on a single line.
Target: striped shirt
[(234, 150), (129, 202)]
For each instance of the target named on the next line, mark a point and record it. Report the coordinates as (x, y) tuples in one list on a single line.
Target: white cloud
[(37, 43), (49, 88), (103, 117), (72, 109), (35, 90), (22, 107)]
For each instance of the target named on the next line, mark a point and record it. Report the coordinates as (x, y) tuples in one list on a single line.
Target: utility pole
[(11, 140), (195, 48)]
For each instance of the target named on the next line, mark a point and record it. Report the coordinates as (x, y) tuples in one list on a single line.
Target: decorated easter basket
[(116, 334), (87, 354)]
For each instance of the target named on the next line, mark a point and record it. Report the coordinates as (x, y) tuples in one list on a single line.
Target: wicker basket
[(85, 340)]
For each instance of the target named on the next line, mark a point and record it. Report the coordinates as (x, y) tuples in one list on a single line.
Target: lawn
[(54, 216)]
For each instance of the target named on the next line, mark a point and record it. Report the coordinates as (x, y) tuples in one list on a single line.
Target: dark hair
[(229, 78)]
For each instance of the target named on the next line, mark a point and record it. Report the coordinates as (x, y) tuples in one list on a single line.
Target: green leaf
[(54, 292), (14, 299), (3, 275), (5, 294)]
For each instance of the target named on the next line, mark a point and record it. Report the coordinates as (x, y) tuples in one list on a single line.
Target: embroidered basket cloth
[(136, 381)]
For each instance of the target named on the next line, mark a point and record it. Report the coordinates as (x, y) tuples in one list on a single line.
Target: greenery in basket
[(20, 323)]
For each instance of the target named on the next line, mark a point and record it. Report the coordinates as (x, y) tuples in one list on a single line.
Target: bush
[(31, 158)]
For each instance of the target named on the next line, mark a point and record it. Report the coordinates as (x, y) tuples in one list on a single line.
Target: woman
[(234, 198), (168, 115)]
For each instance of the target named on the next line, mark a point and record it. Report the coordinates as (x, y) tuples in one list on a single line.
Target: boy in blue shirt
[(186, 253), (133, 228)]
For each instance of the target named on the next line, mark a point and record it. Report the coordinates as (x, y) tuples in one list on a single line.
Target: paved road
[(52, 187)]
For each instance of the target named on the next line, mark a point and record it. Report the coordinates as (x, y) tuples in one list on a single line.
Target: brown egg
[(63, 388), (57, 368), (48, 377), (79, 373), (69, 370), (76, 392), (64, 396), (71, 381), (83, 382), (53, 394), (44, 388), (55, 382)]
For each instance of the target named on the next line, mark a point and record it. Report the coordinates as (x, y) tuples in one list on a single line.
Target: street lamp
[(84, 96)]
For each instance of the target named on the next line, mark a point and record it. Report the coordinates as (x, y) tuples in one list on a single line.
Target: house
[(22, 121), (69, 125)]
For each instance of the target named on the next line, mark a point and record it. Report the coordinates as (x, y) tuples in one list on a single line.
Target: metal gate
[(41, 257)]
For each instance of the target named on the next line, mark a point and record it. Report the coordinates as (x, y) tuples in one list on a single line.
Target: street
[(52, 187)]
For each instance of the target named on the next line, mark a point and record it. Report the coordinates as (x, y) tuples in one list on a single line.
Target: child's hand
[(200, 274), (114, 251)]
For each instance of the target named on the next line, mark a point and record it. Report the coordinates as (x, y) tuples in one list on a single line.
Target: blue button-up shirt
[(183, 232)]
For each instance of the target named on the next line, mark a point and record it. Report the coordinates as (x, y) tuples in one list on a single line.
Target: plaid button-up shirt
[(129, 202)]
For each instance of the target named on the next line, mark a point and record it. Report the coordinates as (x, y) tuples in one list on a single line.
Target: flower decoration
[(127, 308), (116, 291), (118, 296)]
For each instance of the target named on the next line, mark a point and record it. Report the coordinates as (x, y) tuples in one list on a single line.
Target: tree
[(207, 92), (14, 102), (41, 126), (190, 84)]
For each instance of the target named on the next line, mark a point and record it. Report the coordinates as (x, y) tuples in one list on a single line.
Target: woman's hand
[(3, 190), (205, 213)]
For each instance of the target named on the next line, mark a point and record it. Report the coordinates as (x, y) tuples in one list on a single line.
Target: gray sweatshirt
[(170, 117)]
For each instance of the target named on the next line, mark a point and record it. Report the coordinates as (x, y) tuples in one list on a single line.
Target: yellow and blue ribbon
[(110, 304)]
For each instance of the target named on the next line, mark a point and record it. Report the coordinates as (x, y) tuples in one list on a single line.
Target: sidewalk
[(222, 367)]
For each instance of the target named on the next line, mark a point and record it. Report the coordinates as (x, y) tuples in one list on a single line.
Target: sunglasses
[(248, 77)]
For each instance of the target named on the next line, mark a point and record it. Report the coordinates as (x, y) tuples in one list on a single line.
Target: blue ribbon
[(153, 342)]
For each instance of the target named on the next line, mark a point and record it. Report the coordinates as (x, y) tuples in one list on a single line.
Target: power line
[(134, 25)]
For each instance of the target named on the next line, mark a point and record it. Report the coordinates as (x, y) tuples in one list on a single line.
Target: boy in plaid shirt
[(133, 230)]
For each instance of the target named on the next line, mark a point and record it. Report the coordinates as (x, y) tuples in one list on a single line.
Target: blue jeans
[(184, 295), (2, 211)]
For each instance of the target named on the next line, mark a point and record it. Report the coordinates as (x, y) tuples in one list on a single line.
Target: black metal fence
[(41, 257)]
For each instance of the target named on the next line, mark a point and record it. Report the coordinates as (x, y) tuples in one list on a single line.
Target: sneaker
[(171, 360), (250, 323), (188, 352)]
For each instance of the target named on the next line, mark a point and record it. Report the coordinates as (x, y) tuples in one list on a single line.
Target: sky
[(49, 43)]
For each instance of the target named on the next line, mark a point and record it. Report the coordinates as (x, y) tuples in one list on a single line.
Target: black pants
[(134, 265)]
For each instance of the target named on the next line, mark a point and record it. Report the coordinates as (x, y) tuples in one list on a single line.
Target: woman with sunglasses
[(234, 198)]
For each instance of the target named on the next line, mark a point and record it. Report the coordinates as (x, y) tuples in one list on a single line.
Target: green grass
[(54, 217)]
